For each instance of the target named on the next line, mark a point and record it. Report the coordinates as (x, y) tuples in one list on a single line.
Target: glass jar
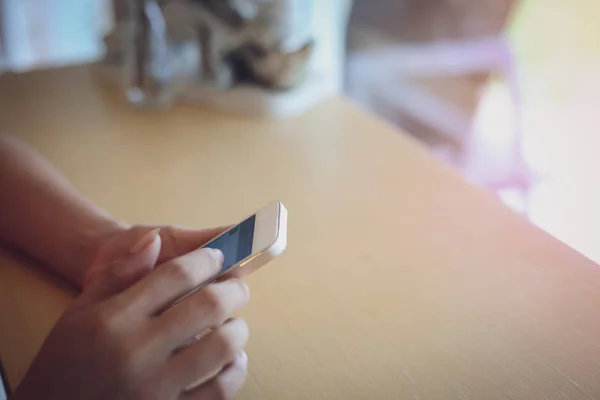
[(259, 57), (148, 78)]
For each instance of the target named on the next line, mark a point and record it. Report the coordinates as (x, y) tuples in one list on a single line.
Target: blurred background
[(505, 91)]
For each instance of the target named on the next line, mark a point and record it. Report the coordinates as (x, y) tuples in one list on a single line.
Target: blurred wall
[(382, 23), (426, 20)]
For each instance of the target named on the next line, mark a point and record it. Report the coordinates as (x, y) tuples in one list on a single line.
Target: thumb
[(121, 274)]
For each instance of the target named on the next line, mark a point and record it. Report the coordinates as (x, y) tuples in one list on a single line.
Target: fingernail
[(243, 357), (144, 242), (245, 288), (218, 254)]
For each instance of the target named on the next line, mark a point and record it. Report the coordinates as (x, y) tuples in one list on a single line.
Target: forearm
[(44, 216)]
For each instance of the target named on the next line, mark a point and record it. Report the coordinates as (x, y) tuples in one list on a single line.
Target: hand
[(176, 242), (113, 343)]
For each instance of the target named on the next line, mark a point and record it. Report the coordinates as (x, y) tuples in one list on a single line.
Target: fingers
[(123, 273), (224, 386), (182, 241), (204, 359), (204, 309), (173, 280)]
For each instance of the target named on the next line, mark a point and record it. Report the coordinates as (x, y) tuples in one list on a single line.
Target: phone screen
[(236, 243)]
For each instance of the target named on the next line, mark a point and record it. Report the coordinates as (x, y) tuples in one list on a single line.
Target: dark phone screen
[(236, 243)]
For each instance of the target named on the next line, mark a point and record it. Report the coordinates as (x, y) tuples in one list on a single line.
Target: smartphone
[(250, 244), (253, 242)]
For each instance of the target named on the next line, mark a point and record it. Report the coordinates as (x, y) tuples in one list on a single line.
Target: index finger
[(172, 281), (179, 241)]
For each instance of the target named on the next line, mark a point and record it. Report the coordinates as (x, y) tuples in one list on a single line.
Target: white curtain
[(49, 33)]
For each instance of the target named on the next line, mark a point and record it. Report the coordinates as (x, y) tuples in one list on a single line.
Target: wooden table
[(400, 281)]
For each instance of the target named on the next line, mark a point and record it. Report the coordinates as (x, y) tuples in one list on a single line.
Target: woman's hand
[(114, 343), (176, 242)]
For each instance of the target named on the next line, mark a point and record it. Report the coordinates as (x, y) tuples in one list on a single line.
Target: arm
[(43, 215)]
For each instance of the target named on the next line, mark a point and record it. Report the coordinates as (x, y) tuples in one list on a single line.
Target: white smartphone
[(253, 242), (250, 244)]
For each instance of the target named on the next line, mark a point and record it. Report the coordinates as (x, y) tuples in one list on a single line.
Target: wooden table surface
[(400, 280)]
